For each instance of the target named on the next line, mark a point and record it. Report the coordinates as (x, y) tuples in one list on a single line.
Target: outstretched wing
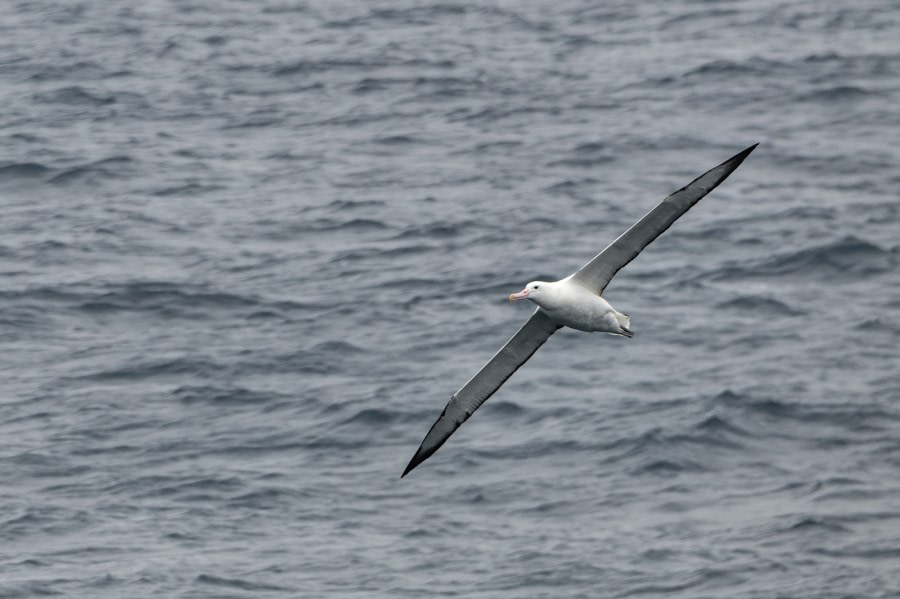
[(480, 387), (596, 274)]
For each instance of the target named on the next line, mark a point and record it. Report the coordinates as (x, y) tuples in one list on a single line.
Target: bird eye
[(535, 286)]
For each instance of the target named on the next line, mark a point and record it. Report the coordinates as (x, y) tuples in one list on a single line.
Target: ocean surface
[(248, 250)]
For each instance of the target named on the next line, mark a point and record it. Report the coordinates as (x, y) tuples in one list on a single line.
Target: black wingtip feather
[(741, 155), (735, 161), (417, 459)]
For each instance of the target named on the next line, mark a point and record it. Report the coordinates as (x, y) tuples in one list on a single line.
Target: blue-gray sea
[(248, 250)]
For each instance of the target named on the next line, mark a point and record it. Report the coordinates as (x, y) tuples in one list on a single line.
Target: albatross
[(575, 301)]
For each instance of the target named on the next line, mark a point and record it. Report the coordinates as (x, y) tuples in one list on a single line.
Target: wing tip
[(739, 157), (417, 459), (724, 169)]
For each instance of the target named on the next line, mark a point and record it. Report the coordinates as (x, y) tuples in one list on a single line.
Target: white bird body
[(571, 304), (574, 302)]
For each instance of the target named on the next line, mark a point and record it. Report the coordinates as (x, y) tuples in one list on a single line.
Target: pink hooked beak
[(517, 296)]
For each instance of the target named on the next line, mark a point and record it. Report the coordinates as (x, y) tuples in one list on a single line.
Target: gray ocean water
[(248, 250)]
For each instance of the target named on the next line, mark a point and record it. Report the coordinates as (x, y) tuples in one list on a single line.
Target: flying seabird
[(575, 301)]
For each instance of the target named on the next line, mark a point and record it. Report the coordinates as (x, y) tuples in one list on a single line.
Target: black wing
[(596, 274), (480, 387)]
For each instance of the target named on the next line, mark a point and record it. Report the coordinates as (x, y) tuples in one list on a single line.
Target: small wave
[(669, 467), (348, 205), (540, 223), (497, 113), (434, 230), (813, 523), (407, 16), (505, 408), (824, 57), (353, 224), (410, 284), (850, 256), (216, 40), (167, 299), (759, 304), (482, 147), (592, 147), (641, 443), (373, 416), (23, 170), (114, 167), (837, 93), (879, 325), (29, 138), (823, 213), (373, 84), (83, 70), (752, 66), (719, 425), (41, 294), (266, 498), (254, 122), (75, 96), (396, 140), (158, 368), (338, 347), (305, 67), (675, 587), (690, 16), (32, 563), (865, 553), (766, 407), (187, 190), (658, 554), (219, 396), (370, 253), (186, 488), (298, 307), (571, 188), (306, 362), (852, 417), (531, 447), (586, 161), (687, 449), (237, 583), (45, 519), (285, 7)]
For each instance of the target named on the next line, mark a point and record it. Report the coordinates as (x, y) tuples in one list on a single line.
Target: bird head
[(534, 291)]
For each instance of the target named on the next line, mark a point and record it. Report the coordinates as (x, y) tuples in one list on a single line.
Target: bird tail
[(624, 325)]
